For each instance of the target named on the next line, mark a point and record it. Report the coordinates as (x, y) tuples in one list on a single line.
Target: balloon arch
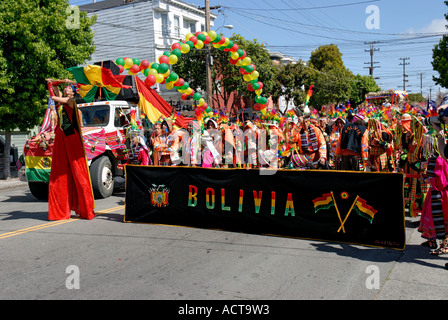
[(160, 72)]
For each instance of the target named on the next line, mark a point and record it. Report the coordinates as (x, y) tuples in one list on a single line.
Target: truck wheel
[(39, 189), (102, 177)]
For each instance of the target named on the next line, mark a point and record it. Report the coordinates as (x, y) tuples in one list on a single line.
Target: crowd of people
[(374, 138)]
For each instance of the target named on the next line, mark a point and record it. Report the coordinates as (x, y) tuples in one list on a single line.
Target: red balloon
[(258, 106), (175, 46), (179, 82), (243, 71), (184, 96), (207, 40), (261, 85), (221, 42), (121, 68), (234, 48), (249, 87), (134, 69), (144, 64), (194, 40), (233, 61), (164, 59), (150, 80)]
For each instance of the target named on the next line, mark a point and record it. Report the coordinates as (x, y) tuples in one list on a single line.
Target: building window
[(165, 27), (177, 26), (190, 26)]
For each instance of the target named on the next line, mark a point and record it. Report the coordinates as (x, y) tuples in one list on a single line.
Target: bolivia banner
[(363, 208), (92, 77)]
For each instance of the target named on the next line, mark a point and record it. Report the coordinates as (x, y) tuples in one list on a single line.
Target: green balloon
[(136, 61), (177, 52), (167, 53), (218, 38), (163, 68), (249, 68), (230, 45), (185, 86), (240, 52), (190, 43), (155, 66), (120, 61), (173, 76), (201, 37), (196, 96), (208, 109), (256, 86)]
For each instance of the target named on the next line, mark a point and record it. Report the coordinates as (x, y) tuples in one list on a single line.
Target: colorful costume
[(70, 186)]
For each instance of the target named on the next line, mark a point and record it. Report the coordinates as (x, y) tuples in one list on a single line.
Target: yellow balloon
[(128, 63), (247, 77), (189, 91), (170, 85), (239, 63), (226, 43), (258, 92), (212, 35), (173, 59), (216, 45), (166, 74), (131, 73), (188, 36), (184, 48), (159, 78), (235, 55), (201, 102), (152, 72), (254, 75), (199, 44), (247, 61)]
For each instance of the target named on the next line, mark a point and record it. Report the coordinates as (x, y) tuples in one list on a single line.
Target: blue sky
[(407, 29)]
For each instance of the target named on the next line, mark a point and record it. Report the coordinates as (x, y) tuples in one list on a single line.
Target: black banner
[(339, 206)]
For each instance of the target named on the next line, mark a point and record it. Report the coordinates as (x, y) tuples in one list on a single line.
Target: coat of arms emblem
[(159, 195)]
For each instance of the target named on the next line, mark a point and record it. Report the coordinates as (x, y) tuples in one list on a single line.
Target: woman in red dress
[(70, 186)]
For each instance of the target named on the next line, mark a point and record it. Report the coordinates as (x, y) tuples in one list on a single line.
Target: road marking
[(53, 223)]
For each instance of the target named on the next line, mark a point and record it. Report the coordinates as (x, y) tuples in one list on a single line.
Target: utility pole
[(421, 83), (371, 50), (404, 64)]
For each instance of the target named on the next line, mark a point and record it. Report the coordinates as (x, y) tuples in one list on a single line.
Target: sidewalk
[(14, 182)]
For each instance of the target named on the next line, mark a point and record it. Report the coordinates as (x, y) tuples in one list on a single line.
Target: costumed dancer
[(434, 219), (381, 147), (211, 140), (138, 151), (311, 144), (70, 186), (352, 151), (336, 125)]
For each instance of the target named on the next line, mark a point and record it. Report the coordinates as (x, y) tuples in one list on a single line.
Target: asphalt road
[(106, 258)]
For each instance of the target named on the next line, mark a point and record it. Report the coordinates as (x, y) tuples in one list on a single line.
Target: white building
[(142, 29)]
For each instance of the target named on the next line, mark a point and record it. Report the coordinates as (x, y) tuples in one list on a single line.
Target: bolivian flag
[(93, 77), (38, 162), (364, 210), (324, 202)]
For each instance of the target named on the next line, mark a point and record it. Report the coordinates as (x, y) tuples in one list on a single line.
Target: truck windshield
[(95, 116)]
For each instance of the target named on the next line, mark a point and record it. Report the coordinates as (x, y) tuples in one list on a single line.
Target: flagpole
[(342, 226), (337, 210)]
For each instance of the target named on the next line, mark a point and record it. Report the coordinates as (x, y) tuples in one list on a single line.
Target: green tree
[(360, 86), (440, 59), (289, 81), (38, 39), (331, 79)]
